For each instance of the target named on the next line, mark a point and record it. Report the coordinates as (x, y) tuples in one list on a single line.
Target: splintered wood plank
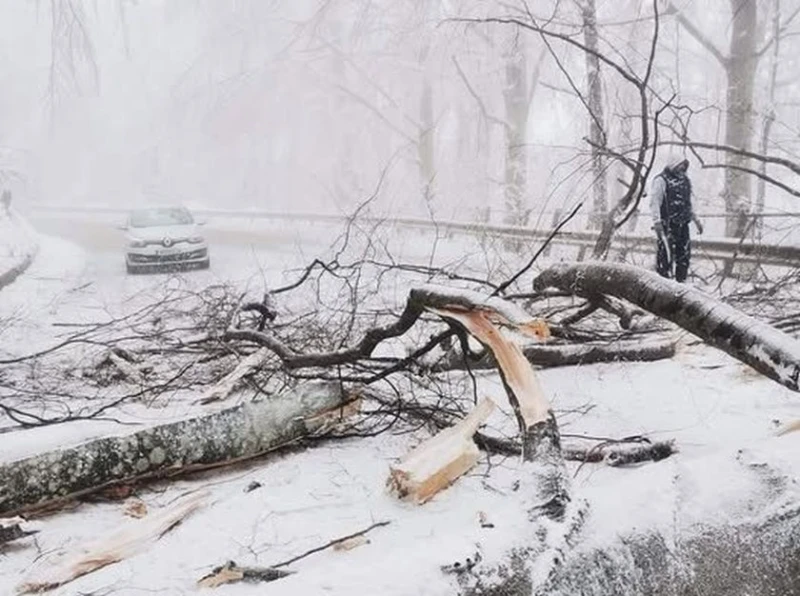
[(533, 407), (131, 539), (438, 462)]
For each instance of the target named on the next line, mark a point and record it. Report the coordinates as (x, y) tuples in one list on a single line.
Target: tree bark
[(740, 68), (573, 354), (757, 344), (229, 435), (516, 100), (597, 133)]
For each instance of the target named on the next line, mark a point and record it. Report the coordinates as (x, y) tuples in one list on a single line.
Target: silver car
[(162, 237)]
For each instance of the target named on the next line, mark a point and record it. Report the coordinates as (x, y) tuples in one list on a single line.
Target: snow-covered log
[(765, 348), (229, 435), (551, 355)]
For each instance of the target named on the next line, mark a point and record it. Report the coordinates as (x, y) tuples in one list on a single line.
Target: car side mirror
[(122, 227), (200, 222)]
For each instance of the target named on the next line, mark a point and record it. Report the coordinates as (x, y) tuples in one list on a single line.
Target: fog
[(320, 105)]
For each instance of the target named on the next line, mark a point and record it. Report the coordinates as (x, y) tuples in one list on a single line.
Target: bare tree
[(739, 66), (515, 96), (597, 133)]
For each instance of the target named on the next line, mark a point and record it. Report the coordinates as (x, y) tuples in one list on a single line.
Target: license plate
[(163, 252)]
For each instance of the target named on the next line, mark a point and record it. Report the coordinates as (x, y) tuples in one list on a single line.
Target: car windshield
[(148, 218)]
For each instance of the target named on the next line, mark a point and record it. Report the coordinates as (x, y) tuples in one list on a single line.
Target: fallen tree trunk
[(759, 345), (229, 435), (552, 355)]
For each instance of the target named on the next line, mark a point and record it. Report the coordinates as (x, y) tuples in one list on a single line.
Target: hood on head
[(677, 166)]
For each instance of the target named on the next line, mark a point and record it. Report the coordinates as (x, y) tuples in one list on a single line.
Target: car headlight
[(196, 239), (136, 243)]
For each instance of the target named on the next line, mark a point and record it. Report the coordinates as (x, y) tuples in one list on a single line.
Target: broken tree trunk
[(545, 482), (223, 437), (759, 345), (436, 463), (573, 354), (541, 441)]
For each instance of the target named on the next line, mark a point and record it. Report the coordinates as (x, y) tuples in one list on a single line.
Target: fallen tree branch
[(224, 387), (552, 355), (757, 344), (330, 544)]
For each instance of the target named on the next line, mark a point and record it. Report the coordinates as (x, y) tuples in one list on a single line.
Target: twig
[(330, 544)]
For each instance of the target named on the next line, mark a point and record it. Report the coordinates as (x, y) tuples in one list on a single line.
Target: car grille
[(176, 258)]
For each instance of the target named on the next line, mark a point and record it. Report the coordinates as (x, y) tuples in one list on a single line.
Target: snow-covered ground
[(730, 468), (18, 245)]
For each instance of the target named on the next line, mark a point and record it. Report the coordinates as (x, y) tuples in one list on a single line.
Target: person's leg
[(663, 263), (682, 251)]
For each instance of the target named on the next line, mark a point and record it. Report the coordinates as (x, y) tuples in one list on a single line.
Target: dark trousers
[(674, 251)]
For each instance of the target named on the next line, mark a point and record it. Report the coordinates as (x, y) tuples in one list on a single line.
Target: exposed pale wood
[(228, 383), (351, 543), (436, 463), (790, 427), (129, 540), (532, 406)]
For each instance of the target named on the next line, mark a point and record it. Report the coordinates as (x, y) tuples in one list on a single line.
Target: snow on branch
[(757, 344)]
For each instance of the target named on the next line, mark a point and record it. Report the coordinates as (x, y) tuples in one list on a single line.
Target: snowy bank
[(18, 246)]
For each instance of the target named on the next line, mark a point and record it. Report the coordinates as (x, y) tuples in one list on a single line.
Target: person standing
[(671, 206)]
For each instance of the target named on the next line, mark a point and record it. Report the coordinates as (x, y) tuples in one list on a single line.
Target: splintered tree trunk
[(741, 70), (766, 349), (596, 118), (226, 436)]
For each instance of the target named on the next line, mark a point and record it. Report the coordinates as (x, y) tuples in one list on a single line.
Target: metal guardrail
[(708, 248)]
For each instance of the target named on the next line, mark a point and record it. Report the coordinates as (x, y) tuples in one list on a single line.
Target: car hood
[(158, 233)]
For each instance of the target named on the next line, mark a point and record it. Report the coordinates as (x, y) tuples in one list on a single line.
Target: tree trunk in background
[(597, 119), (425, 144), (741, 68), (769, 118), (517, 103), (426, 148)]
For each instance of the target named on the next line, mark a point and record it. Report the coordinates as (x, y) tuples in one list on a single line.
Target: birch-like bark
[(229, 435), (515, 96), (741, 70), (757, 344), (597, 133)]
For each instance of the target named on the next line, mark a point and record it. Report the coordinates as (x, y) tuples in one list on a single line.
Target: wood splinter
[(438, 462)]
